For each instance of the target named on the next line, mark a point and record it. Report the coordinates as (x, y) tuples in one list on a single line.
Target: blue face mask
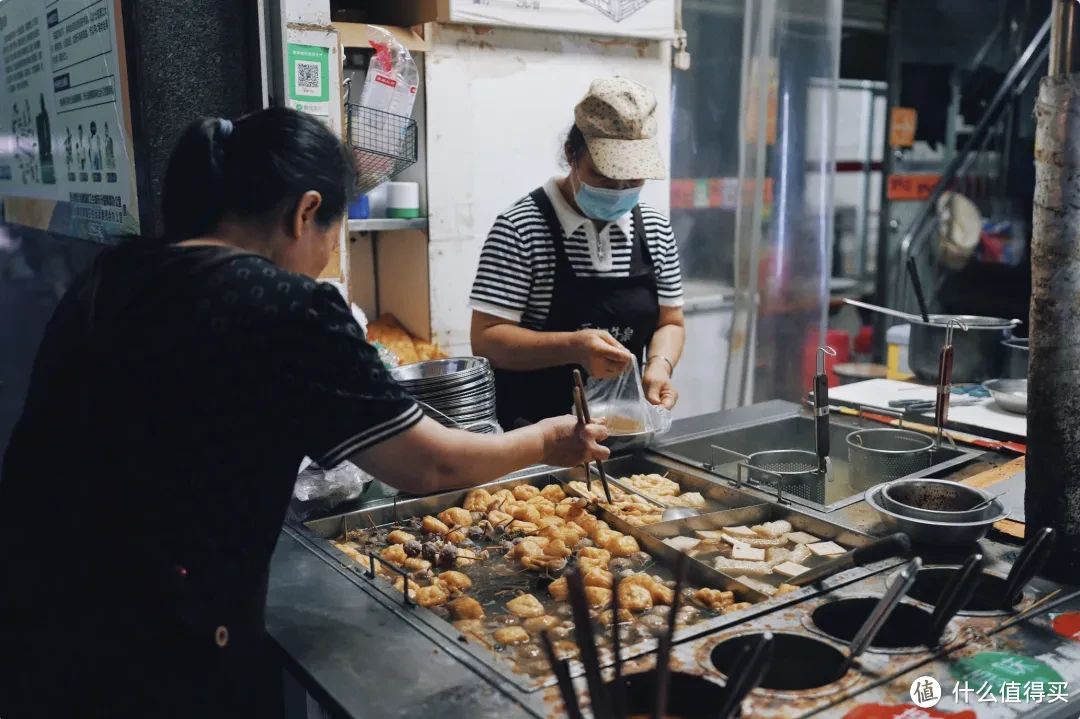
[(606, 205)]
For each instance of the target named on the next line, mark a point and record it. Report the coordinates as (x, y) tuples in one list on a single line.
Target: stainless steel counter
[(359, 653)]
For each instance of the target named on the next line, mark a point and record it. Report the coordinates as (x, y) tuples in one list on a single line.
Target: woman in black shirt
[(177, 389)]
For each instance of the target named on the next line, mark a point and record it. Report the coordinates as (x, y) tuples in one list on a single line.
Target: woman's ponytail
[(195, 199)]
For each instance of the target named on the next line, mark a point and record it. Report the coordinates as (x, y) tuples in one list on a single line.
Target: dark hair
[(257, 169), (575, 143)]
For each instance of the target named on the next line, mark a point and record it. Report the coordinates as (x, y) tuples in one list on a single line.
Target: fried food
[(431, 596), (790, 569), (431, 525), (634, 597), (543, 563), (535, 625), (597, 577), (525, 492), (766, 589), (559, 590), (457, 535), (607, 615), (754, 541), (477, 501), (662, 595), (622, 546), (773, 530), (557, 548), (499, 518), (525, 606), (825, 549), (508, 636), (730, 566), (603, 536), (527, 513), (395, 554), (553, 493), (786, 589), (779, 555), (469, 626), (736, 607), (400, 586), (594, 553), (714, 599), (456, 580), (399, 537), (466, 608), (456, 516), (519, 527), (751, 554), (682, 544), (586, 565), (416, 565), (598, 597), (525, 549), (801, 538)]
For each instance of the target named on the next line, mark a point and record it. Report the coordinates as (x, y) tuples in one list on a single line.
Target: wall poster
[(66, 156), (635, 18)]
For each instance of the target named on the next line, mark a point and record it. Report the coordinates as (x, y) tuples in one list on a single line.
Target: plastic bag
[(318, 492), (622, 404)]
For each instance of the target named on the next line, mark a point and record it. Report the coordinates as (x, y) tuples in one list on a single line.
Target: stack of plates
[(457, 392)]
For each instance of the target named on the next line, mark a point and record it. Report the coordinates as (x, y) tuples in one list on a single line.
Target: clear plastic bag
[(318, 492), (622, 404)]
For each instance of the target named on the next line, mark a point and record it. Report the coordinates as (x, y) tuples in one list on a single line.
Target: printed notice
[(64, 103)]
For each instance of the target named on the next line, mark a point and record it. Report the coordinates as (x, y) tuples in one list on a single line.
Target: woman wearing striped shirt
[(579, 273)]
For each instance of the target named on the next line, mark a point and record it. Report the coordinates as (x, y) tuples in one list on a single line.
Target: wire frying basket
[(794, 471), (382, 144), (882, 455)]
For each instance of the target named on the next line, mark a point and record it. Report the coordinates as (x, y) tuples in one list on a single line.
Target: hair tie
[(225, 127)]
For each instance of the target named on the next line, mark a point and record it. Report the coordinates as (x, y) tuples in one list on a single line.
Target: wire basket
[(882, 455), (382, 144), (797, 470)]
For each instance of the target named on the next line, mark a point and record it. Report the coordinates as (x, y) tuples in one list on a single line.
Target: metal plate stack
[(456, 392)]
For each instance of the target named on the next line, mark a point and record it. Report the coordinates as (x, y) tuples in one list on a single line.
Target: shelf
[(387, 224)]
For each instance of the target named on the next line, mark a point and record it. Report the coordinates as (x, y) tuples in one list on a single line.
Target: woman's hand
[(568, 443), (657, 385), (600, 354)]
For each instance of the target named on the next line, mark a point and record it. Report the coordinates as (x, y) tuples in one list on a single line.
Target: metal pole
[(1052, 498)]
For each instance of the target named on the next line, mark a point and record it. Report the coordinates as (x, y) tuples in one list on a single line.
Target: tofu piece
[(767, 589), (779, 555), (477, 501), (557, 548), (416, 565), (399, 537), (535, 625), (826, 549), (594, 553), (599, 578), (790, 569), (683, 544), (559, 590), (432, 596), (710, 535), (466, 608), (525, 492), (499, 518), (622, 546), (755, 541), (724, 564), (508, 636), (801, 538), (745, 551), (598, 597), (553, 493), (431, 525), (773, 530), (456, 580), (527, 513), (714, 599), (525, 606), (634, 597), (395, 554), (740, 531), (519, 527), (456, 516)]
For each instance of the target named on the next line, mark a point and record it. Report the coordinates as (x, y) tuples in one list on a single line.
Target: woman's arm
[(667, 343), (509, 346), (431, 458)]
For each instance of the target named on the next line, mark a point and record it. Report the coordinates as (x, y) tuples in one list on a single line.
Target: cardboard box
[(353, 34)]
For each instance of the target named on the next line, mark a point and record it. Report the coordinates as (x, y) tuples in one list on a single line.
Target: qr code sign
[(308, 78)]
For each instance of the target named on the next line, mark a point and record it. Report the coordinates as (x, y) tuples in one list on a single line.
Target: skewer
[(663, 654), (618, 690), (598, 693), (754, 661), (583, 415), (561, 669)]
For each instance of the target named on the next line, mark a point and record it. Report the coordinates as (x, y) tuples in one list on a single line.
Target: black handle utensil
[(1030, 562), (598, 692), (561, 669), (663, 653), (894, 545), (750, 670), (916, 283), (821, 409), (584, 417), (881, 612), (957, 593)]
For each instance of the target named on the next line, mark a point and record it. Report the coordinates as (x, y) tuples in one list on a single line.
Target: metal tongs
[(954, 597), (608, 701), (944, 379), (821, 412), (1030, 562), (582, 406)]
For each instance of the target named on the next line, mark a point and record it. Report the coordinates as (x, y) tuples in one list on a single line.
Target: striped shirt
[(516, 274)]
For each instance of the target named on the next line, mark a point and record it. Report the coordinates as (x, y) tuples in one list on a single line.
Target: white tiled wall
[(499, 103)]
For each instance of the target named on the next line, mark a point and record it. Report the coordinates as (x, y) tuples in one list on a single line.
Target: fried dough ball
[(714, 599), (586, 565), (499, 518), (597, 577), (432, 596), (662, 595), (546, 508), (609, 614), (553, 493), (525, 492), (400, 586), (395, 554), (469, 626), (543, 563), (523, 527), (416, 565), (456, 516), (527, 514), (603, 536), (477, 501), (456, 580), (598, 597), (622, 546), (786, 589), (595, 553), (508, 636), (466, 608), (433, 526), (399, 537), (525, 606), (546, 522), (559, 589), (535, 625), (634, 597), (525, 549), (557, 548), (565, 650), (457, 535)]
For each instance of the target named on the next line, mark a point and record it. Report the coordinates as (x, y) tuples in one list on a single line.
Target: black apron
[(627, 307)]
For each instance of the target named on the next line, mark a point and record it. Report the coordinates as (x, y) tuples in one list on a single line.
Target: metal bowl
[(950, 534), (1015, 365), (936, 500), (1009, 394), (441, 370)]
